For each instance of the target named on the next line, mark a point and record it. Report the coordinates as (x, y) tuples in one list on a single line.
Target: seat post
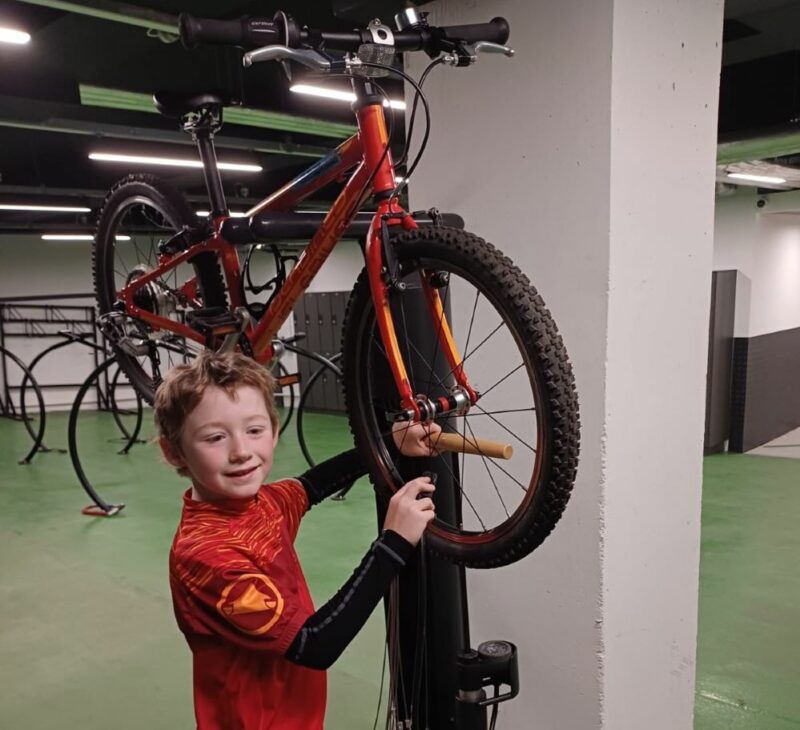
[(208, 156)]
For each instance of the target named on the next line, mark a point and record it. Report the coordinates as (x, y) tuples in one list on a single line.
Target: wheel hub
[(154, 296)]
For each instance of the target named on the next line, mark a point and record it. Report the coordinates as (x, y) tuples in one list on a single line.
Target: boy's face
[(226, 444)]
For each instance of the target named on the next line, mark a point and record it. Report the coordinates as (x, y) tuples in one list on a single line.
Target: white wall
[(520, 148), (764, 244), (568, 157)]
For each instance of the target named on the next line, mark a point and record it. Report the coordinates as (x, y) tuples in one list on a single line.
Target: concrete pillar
[(589, 159)]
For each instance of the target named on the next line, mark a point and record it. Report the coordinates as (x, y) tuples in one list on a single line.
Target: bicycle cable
[(420, 666), (407, 146), (495, 710), (390, 129), (380, 689), (421, 95)]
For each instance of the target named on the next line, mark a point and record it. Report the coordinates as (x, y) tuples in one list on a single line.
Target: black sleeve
[(332, 475), (326, 633)]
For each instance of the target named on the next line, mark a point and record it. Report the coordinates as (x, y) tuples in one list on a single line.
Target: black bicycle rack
[(36, 317), (8, 409)]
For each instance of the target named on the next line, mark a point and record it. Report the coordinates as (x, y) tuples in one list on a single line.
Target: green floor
[(87, 637), (748, 656)]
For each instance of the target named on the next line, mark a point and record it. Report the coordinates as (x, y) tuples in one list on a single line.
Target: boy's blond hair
[(184, 386)]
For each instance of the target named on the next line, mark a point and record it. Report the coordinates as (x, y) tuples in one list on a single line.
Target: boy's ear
[(275, 433), (170, 453)]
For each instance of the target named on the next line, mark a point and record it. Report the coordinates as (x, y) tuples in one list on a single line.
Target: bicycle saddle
[(178, 103)]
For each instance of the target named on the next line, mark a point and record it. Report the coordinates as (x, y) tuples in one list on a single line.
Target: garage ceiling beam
[(134, 101), (94, 197), (763, 147), (21, 113), (117, 12)]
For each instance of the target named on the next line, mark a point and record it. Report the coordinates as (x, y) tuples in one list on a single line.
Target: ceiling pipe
[(772, 143), (116, 12)]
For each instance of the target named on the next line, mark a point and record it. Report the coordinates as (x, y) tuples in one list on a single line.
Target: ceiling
[(63, 99)]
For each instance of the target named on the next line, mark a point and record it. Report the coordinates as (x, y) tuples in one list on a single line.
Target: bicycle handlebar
[(281, 30)]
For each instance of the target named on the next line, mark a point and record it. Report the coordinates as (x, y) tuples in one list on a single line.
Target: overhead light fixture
[(324, 93), (169, 162), (18, 37), (76, 237), (757, 178), (45, 208), (232, 213)]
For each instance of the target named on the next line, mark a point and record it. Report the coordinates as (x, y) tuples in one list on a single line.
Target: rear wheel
[(138, 214), (500, 508)]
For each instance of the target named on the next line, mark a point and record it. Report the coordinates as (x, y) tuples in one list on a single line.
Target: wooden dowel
[(473, 445)]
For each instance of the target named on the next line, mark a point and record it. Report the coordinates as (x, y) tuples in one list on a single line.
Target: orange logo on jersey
[(252, 603)]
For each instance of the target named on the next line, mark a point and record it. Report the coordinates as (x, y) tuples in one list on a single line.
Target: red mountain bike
[(440, 324)]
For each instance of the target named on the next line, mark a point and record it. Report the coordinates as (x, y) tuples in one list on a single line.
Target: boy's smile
[(226, 444)]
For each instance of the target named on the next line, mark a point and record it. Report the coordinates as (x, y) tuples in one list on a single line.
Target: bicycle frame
[(366, 151)]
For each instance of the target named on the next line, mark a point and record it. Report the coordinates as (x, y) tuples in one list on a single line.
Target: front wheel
[(495, 510)]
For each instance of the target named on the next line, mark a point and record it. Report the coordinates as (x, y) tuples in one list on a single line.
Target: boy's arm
[(326, 633), (332, 475)]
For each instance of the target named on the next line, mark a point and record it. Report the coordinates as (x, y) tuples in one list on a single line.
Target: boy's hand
[(416, 439), (410, 510)]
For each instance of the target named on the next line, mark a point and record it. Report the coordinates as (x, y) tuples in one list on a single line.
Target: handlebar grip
[(496, 30), (248, 32)]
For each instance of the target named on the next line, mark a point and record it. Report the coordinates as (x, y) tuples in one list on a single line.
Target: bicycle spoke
[(494, 413), (494, 483), (385, 434), (472, 319), (505, 428), (430, 368), (509, 475), (505, 377), (140, 255), (456, 482)]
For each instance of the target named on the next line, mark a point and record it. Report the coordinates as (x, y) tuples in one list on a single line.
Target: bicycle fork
[(383, 277)]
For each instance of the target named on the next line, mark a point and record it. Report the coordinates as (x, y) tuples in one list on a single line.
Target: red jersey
[(240, 598)]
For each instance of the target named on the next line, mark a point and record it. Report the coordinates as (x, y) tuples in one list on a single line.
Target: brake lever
[(488, 47), (306, 57), (466, 54)]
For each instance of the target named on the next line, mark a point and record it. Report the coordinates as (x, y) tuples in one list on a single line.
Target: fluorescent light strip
[(147, 160), (47, 208), (18, 37), (324, 93), (756, 178), (233, 214), (76, 237)]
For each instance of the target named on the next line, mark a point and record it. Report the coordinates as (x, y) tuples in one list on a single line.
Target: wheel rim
[(493, 494)]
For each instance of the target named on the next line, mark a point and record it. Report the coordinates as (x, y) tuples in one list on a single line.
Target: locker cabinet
[(320, 315)]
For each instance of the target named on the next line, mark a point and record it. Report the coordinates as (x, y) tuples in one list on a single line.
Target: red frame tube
[(365, 151)]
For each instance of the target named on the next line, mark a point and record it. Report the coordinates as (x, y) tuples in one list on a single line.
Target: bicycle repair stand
[(432, 593), (433, 616)]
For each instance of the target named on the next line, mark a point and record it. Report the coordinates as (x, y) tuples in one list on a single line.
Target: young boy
[(239, 594)]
